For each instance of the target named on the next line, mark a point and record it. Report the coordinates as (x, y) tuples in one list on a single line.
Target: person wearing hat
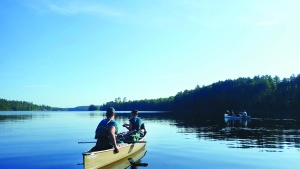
[(106, 132)]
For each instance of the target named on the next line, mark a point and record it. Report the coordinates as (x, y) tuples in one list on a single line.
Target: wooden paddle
[(83, 142)]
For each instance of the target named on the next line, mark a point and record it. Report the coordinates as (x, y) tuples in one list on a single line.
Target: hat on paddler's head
[(110, 112)]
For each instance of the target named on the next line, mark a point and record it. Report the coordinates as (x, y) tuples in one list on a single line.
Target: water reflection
[(237, 122), (255, 133), (270, 134), (133, 161), (15, 117), (101, 115), (21, 116), (174, 141)]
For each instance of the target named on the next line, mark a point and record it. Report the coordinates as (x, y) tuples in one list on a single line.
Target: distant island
[(261, 96)]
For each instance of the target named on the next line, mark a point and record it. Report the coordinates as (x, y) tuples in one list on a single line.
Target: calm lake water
[(50, 140)]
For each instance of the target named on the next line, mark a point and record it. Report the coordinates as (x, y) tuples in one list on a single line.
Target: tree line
[(12, 105), (261, 96)]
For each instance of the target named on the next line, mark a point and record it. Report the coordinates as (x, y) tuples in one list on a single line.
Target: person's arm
[(130, 126), (126, 125), (140, 125), (112, 137)]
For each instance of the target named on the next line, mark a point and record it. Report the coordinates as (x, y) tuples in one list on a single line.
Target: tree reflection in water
[(271, 134)]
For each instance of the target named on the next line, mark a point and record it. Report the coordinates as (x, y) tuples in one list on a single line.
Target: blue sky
[(70, 53)]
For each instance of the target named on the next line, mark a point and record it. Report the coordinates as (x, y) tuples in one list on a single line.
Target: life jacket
[(136, 123), (133, 135), (103, 127)]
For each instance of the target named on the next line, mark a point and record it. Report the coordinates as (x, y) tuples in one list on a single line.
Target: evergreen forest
[(8, 105), (260, 96)]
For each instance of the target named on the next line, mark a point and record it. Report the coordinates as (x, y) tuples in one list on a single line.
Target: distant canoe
[(97, 159), (237, 117)]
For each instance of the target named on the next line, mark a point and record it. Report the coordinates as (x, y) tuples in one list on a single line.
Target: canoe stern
[(97, 159)]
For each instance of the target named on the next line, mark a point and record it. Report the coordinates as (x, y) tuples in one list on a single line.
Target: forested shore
[(261, 96), (12, 105)]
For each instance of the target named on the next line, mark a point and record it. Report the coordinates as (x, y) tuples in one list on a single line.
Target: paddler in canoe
[(136, 128), (106, 132)]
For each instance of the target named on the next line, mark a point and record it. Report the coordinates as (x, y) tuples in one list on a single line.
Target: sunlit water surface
[(50, 140)]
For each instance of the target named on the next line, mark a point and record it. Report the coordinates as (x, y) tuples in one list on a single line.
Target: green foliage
[(263, 96), (79, 108), (162, 104), (6, 105), (93, 107)]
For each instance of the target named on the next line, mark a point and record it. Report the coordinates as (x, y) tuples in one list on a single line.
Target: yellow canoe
[(98, 159), (127, 161)]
